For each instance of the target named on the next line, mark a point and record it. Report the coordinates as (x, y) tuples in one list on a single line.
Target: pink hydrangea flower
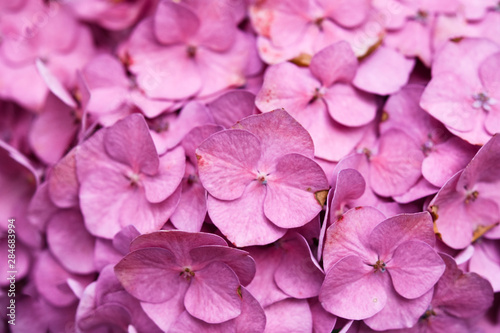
[(123, 180), (261, 178), (178, 271), (463, 93), (380, 270), (468, 205)]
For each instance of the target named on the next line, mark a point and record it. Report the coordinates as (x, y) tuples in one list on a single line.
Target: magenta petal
[(195, 137), (298, 274), (352, 290), (415, 268), (463, 295), (242, 220), (350, 106), (347, 13), (170, 172), (349, 186), (279, 134), (129, 142), (396, 230), (175, 23), (290, 200), (70, 242), (238, 260), (54, 84), (150, 275), (227, 162), (213, 295), (350, 234), (334, 63), (192, 208)]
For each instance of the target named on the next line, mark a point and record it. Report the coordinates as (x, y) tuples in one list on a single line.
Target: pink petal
[(347, 13), (63, 182), (242, 220), (352, 290), (334, 63), (415, 268), (350, 235), (349, 185), (323, 321), (129, 142), (350, 106), (462, 295), (396, 230), (398, 311), (178, 242), (298, 274), (54, 84), (195, 137), (150, 275), (290, 200), (279, 134), (232, 106), (264, 286), (238, 260), (70, 242), (447, 159), (289, 315), (397, 167), (170, 172), (383, 72), (192, 208), (213, 294), (175, 23), (227, 162)]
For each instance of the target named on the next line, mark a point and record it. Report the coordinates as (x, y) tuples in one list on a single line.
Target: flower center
[(187, 273), (379, 266), (191, 51), (422, 16), (482, 100), (427, 314), (192, 178), (262, 178), (134, 178), (471, 196)]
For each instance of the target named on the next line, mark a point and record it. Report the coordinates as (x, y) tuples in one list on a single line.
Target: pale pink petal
[(175, 23), (350, 106), (289, 315), (227, 162), (415, 268), (397, 167), (70, 242), (350, 235), (150, 275), (242, 220), (349, 185), (280, 135), (347, 13), (213, 295), (334, 63), (192, 208), (447, 159), (54, 84), (128, 141), (323, 321), (383, 72), (291, 191), (486, 261), (352, 290)]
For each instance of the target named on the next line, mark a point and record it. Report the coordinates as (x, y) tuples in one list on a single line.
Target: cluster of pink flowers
[(250, 166)]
